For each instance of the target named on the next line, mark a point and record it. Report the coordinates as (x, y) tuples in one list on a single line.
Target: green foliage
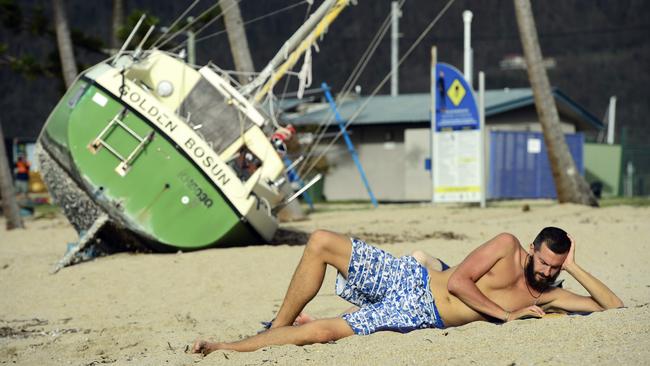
[(33, 21), (39, 23), (88, 42), (625, 201), (10, 15), (27, 66), (131, 21), (207, 17)]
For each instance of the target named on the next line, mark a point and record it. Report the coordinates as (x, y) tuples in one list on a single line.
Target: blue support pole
[(294, 177), (348, 141)]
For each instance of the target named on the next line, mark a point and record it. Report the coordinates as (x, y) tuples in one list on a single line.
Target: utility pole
[(191, 44), (396, 13), (611, 120), (569, 184), (9, 205), (468, 53), (237, 38)]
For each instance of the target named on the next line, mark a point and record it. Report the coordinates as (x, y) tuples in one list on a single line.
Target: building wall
[(381, 153), (523, 119), (417, 179), (393, 158), (603, 164)]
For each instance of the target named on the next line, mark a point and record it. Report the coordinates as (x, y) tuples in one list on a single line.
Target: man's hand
[(532, 311), (601, 296), (570, 258)]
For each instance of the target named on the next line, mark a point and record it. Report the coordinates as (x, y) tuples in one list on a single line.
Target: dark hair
[(555, 238)]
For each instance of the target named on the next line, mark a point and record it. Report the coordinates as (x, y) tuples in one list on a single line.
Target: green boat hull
[(164, 202)]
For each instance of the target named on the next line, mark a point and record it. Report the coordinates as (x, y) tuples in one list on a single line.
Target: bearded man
[(499, 281)]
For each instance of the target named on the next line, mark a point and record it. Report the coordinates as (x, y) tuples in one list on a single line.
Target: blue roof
[(415, 108)]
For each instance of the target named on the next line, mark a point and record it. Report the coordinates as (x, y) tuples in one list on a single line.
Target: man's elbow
[(617, 304), (611, 304), (455, 284)]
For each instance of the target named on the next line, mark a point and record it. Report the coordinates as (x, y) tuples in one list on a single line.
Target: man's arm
[(602, 297), (462, 283)]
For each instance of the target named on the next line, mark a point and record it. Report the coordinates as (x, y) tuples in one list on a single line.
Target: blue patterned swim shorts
[(392, 293)]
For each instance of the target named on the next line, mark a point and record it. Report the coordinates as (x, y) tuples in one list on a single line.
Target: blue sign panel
[(456, 107)]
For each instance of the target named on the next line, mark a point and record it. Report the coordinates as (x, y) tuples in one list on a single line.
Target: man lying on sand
[(498, 281)]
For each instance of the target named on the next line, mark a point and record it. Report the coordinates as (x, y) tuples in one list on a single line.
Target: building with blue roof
[(391, 135)]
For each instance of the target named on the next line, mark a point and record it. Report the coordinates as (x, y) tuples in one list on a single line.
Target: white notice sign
[(456, 170)]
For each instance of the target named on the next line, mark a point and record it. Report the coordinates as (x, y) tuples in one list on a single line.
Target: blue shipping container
[(519, 166)]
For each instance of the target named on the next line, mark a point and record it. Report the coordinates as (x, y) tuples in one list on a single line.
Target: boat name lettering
[(200, 193), (151, 110), (198, 152)]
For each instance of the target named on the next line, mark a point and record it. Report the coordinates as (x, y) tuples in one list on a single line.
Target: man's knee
[(328, 330), (419, 255), (321, 242), (332, 248)]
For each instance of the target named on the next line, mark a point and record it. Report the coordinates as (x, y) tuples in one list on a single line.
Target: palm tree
[(117, 23), (66, 51), (237, 38), (569, 184), (9, 204)]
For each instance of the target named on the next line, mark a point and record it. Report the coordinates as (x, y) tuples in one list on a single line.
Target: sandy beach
[(145, 309)]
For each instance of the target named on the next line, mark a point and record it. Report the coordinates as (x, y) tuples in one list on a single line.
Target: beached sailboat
[(146, 152)]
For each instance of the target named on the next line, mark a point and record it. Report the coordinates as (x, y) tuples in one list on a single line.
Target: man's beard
[(538, 285)]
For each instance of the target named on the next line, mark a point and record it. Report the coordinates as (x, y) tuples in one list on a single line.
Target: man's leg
[(323, 248), (317, 331)]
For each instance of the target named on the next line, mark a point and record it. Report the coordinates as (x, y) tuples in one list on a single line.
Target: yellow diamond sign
[(456, 92)]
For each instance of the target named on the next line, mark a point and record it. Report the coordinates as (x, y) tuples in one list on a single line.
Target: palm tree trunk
[(237, 38), (9, 204), (66, 52), (117, 23), (569, 184)]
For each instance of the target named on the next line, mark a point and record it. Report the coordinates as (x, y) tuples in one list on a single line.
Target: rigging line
[(309, 4), (378, 37), (307, 91), (382, 83), (188, 25), (235, 72), (322, 128), (176, 21), (360, 66), (283, 96), (212, 35), (352, 79), (276, 115)]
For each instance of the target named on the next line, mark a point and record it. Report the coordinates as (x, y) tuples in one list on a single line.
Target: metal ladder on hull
[(125, 163)]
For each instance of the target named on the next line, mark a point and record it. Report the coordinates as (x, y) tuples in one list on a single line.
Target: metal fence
[(519, 166), (635, 177)]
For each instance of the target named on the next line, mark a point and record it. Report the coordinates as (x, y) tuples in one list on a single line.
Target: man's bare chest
[(508, 291)]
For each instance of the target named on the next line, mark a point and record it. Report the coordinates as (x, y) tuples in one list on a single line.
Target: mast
[(293, 48)]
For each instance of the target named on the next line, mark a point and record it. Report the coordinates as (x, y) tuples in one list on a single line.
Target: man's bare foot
[(303, 318), (204, 347)]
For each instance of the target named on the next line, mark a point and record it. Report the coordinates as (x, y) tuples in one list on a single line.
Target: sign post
[(456, 137), (483, 154), (434, 61)]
